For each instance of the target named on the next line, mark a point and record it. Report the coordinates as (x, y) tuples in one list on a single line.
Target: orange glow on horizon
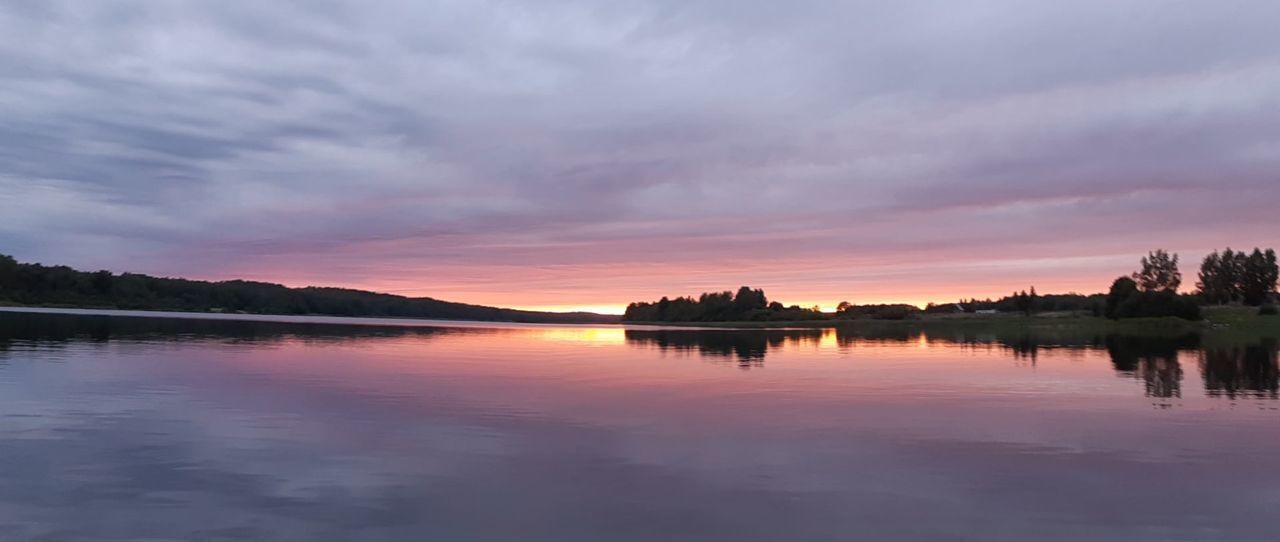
[(608, 288), (940, 294)]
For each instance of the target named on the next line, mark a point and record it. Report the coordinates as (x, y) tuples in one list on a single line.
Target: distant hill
[(36, 284)]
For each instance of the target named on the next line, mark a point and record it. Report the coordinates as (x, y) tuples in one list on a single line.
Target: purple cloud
[(580, 153)]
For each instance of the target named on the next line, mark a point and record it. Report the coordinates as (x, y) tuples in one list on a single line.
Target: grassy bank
[(1225, 322)]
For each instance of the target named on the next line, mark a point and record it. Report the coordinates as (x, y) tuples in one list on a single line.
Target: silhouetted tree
[(746, 305), (1025, 302), (1219, 279), (664, 305), (102, 282), (1126, 301), (1122, 289), (1159, 272), (1237, 276), (8, 273), (748, 300), (1258, 279), (879, 312)]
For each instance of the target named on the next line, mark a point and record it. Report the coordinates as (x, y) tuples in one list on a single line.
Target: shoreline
[(1231, 323), (1218, 321), (323, 319)]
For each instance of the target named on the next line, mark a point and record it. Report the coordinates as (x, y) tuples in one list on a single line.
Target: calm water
[(161, 429)]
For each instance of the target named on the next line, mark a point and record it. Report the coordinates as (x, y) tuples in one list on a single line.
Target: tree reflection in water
[(1237, 372), (748, 348), (36, 330), (1241, 372), (1154, 360)]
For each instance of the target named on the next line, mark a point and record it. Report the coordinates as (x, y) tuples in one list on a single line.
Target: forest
[(1225, 278), (40, 285)]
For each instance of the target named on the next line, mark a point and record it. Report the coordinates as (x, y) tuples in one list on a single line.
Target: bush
[(880, 312), (1157, 304), (894, 313), (1126, 301), (1268, 310), (1121, 290)]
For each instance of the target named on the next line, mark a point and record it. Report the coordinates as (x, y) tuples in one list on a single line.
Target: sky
[(584, 154)]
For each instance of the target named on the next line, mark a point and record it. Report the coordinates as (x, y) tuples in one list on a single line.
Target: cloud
[(590, 141)]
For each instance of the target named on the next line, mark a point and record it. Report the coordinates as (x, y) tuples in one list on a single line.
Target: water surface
[(115, 428)]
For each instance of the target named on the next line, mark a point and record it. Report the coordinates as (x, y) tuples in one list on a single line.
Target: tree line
[(1025, 301), (1232, 277), (1151, 291), (36, 284), (746, 305), (1225, 277)]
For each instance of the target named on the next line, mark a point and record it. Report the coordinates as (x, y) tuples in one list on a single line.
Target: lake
[(128, 428)]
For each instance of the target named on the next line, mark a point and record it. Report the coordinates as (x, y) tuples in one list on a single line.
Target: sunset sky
[(583, 154)]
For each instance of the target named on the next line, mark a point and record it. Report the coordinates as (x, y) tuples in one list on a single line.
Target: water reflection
[(151, 429), (1241, 372), (1154, 360), (748, 348), (52, 330)]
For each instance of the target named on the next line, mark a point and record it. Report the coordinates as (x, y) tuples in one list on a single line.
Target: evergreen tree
[(1025, 302)]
